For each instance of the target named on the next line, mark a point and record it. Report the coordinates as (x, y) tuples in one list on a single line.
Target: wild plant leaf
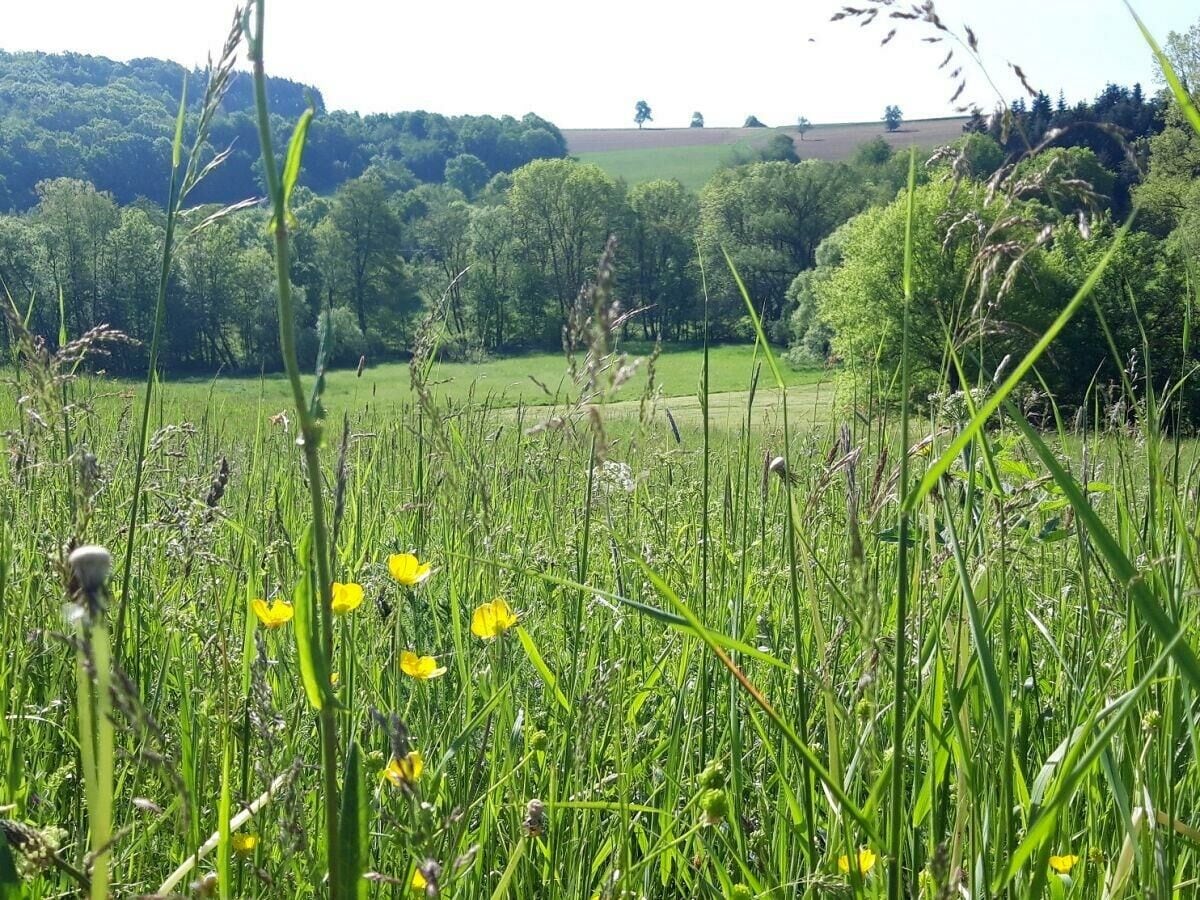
[(180, 119), (1178, 91), (354, 838), (834, 789), (531, 651), (291, 165), (313, 670), (10, 881)]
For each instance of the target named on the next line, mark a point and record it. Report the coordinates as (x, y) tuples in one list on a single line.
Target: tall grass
[(753, 659)]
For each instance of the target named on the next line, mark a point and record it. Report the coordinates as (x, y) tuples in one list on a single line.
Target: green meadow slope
[(691, 155)]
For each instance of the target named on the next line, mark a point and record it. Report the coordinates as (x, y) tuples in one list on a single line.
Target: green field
[(692, 155), (692, 166), (532, 380)]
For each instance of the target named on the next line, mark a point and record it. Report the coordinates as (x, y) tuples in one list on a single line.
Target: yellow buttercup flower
[(273, 615), (406, 771), (1063, 864), (866, 861), (244, 844), (346, 597), (418, 881), (492, 619), (422, 667), (408, 570)]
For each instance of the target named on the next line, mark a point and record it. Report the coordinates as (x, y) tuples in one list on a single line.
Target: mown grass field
[(532, 380), (692, 166), (692, 155)]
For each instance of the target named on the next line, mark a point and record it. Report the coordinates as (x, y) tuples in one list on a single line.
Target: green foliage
[(641, 113), (981, 155), (770, 217), (893, 118), (467, 173), (1142, 297), (1069, 179), (779, 148), (861, 300), (697, 120), (663, 278), (562, 214), (1118, 118), (753, 122), (344, 340), (112, 124), (1167, 198), (875, 152)]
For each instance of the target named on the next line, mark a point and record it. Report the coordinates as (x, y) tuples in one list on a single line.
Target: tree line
[(500, 256), (502, 265), (112, 124)]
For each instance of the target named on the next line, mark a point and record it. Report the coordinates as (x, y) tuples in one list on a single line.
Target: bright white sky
[(586, 65)]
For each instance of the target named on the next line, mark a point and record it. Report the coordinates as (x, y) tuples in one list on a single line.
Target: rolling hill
[(693, 154)]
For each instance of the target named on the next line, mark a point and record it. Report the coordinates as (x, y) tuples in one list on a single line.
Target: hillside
[(693, 154), (111, 123)]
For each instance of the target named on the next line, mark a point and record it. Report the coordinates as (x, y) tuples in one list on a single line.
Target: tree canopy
[(111, 124)]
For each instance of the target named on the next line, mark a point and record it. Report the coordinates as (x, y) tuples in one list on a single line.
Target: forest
[(111, 124), (486, 222)]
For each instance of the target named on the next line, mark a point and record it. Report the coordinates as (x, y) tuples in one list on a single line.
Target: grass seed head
[(91, 565)]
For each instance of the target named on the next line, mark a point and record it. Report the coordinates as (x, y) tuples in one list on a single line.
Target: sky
[(585, 65)]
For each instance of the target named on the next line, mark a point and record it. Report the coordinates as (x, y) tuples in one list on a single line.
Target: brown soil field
[(822, 142)]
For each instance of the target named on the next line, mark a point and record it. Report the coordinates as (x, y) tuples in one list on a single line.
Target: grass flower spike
[(491, 620), (866, 861), (346, 597), (408, 570), (1063, 864), (406, 771), (274, 614), (420, 667)]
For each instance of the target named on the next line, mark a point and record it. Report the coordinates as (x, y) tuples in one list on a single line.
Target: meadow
[(694, 695), (536, 379), (692, 155), (703, 628)]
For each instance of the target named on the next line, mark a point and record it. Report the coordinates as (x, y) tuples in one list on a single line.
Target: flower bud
[(713, 776), (715, 806), (91, 565)]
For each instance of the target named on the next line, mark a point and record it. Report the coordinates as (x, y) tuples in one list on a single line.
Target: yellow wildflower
[(422, 667), (866, 861), (405, 771), (408, 570), (418, 881), (1063, 864), (244, 844), (273, 615), (346, 597), (492, 619)]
